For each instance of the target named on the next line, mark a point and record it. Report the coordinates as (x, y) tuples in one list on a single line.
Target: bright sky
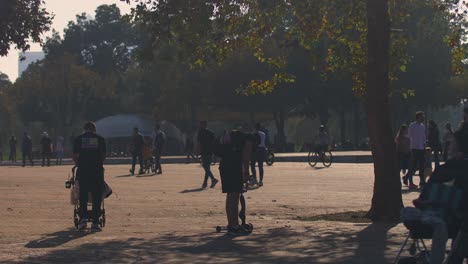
[(64, 10)]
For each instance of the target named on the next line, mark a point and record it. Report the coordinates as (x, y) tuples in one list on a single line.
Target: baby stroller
[(442, 199), (72, 184)]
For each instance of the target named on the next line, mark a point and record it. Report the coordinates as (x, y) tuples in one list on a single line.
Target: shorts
[(231, 180)]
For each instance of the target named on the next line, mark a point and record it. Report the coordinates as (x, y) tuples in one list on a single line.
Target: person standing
[(403, 145), (26, 148), (433, 141), (205, 148), (12, 143), (235, 149), (447, 139), (138, 145), (259, 153), (159, 138), (59, 150), (46, 145), (417, 134), (89, 153)]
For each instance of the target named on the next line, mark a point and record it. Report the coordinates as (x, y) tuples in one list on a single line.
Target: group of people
[(47, 146), (139, 145), (417, 146)]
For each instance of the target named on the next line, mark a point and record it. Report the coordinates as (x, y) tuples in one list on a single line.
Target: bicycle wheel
[(313, 158), (270, 158), (327, 159)]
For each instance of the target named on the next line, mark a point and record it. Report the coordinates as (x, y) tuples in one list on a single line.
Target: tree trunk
[(387, 200), (280, 143)]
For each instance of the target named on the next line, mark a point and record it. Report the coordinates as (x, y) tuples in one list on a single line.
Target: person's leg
[(31, 158), (232, 209), (421, 164), (253, 171), (134, 157), (97, 200), (43, 159), (412, 168), (24, 159), (206, 163), (48, 158), (14, 155), (439, 237), (84, 189), (140, 160)]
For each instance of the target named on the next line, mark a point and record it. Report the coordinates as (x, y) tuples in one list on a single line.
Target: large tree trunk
[(280, 142), (387, 200)]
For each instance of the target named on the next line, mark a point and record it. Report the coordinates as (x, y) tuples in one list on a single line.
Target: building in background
[(26, 58)]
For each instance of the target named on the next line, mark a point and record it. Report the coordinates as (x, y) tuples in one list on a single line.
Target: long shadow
[(56, 239), (372, 243), (124, 176), (193, 190), (407, 191), (146, 175)]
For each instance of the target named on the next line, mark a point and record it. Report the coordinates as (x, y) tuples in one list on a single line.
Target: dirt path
[(169, 219)]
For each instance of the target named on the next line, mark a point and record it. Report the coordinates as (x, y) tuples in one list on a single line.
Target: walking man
[(159, 138), (433, 141), (13, 143), (89, 153), (26, 148), (259, 153), (205, 145), (46, 145), (417, 134), (138, 145)]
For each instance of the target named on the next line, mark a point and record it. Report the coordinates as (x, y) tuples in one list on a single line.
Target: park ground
[(168, 219)]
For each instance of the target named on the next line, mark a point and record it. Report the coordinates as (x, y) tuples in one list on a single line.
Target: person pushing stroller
[(89, 153)]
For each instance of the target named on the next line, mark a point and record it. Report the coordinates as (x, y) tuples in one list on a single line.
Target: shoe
[(213, 183), (95, 227), (204, 185), (131, 171), (237, 231), (260, 184), (82, 224), (413, 187), (405, 180)]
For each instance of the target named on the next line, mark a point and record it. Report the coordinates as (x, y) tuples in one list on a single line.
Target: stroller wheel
[(248, 227)]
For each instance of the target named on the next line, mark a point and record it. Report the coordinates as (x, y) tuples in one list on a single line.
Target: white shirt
[(262, 139), (417, 134)]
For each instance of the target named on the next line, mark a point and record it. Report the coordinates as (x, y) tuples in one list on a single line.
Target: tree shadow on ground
[(276, 245), (56, 239)]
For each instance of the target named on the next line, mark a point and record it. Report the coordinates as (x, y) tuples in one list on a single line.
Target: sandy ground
[(169, 219)]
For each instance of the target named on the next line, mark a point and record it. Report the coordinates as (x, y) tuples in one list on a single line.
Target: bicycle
[(325, 156), (270, 157)]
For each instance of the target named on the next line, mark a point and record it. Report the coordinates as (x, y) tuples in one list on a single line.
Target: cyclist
[(322, 141)]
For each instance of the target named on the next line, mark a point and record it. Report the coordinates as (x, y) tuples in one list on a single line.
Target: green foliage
[(22, 21)]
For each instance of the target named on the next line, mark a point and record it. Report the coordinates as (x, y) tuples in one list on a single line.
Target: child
[(427, 162)]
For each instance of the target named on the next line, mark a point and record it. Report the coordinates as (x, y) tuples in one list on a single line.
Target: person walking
[(59, 150), (138, 145), (12, 143), (26, 148), (433, 141), (46, 146), (417, 134), (89, 153), (447, 139), (159, 138), (205, 148), (403, 145), (259, 153)]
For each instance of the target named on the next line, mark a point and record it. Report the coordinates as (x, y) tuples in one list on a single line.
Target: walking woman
[(403, 145), (447, 139)]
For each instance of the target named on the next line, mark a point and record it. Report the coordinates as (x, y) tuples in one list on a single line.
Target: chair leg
[(401, 249)]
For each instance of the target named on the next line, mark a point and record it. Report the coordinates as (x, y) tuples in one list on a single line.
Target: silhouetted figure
[(26, 148), (12, 143), (46, 149)]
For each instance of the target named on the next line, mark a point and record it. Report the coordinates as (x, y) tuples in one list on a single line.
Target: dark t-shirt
[(45, 144), (91, 150), (27, 144), (206, 140), (138, 143), (231, 154)]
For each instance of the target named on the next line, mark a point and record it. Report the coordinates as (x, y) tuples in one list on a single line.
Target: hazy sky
[(64, 10)]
